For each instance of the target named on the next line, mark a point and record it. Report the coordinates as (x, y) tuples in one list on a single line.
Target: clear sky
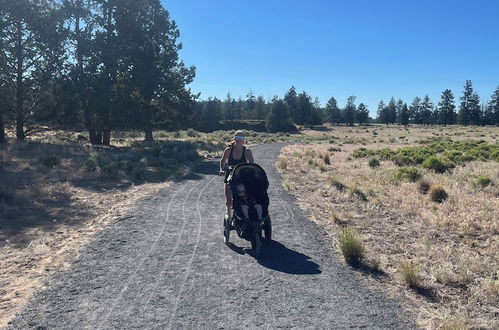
[(370, 49)]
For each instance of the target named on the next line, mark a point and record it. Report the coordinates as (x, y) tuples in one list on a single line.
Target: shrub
[(410, 273), (351, 246), (327, 161), (282, 163), (335, 183), (322, 168), (359, 194), (192, 133), (482, 181), (50, 161), (494, 155), (407, 174), (373, 162), (438, 194), (437, 164), (423, 186), (334, 149)]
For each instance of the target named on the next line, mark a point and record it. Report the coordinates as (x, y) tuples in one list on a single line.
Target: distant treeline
[(104, 65), (281, 113)]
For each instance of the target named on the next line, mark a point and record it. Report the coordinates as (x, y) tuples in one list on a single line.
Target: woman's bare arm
[(249, 156), (223, 160)]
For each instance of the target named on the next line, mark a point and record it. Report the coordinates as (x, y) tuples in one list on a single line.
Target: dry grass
[(455, 243)]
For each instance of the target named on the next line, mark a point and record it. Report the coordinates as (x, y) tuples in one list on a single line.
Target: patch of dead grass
[(456, 242)]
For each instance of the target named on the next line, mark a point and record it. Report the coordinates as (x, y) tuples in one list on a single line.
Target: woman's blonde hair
[(232, 142)]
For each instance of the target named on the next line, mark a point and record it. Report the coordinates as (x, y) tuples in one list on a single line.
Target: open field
[(440, 253), (56, 192)]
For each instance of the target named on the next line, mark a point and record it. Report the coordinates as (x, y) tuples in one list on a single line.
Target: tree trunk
[(19, 85), (106, 137), (149, 137), (95, 136), (2, 129)]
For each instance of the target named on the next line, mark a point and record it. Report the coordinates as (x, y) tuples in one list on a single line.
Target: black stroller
[(254, 179)]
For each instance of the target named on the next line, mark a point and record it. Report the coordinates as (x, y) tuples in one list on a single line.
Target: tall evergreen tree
[(380, 112), (305, 109), (493, 108), (332, 112), (447, 108), (278, 119), (362, 114), (291, 101), (31, 30), (426, 110), (464, 115), (349, 111), (415, 111), (475, 110), (260, 108), (403, 116)]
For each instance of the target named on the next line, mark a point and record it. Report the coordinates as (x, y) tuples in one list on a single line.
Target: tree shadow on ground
[(277, 256)]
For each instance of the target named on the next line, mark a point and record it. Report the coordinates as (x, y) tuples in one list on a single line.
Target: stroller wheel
[(256, 243), (267, 229), (226, 230)]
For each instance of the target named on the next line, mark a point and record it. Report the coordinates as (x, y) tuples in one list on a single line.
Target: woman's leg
[(259, 211), (245, 209), (228, 197)]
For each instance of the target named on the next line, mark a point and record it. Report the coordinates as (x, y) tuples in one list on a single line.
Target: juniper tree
[(278, 119)]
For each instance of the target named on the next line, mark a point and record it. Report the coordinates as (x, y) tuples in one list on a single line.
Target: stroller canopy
[(251, 172)]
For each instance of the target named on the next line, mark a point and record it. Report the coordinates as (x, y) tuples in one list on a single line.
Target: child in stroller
[(247, 201), (250, 215)]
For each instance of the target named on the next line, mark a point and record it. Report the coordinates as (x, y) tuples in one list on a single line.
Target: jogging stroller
[(255, 181)]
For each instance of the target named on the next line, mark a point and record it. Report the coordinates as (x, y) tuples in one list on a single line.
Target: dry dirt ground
[(453, 246), (43, 234)]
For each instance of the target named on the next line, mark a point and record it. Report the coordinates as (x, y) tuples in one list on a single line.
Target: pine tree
[(466, 104), (349, 112), (362, 114), (475, 110), (304, 112), (426, 110), (404, 115), (278, 119), (380, 112), (447, 108), (415, 111), (332, 112), (291, 101), (493, 108), (31, 32)]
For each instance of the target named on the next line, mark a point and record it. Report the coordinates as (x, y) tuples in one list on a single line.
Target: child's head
[(241, 190)]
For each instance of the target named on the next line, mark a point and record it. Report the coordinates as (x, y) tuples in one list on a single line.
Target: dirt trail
[(166, 266)]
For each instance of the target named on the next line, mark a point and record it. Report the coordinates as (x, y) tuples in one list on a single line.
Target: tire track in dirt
[(191, 279)]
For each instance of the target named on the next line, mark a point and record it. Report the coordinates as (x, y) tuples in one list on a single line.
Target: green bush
[(373, 162), (438, 194), (482, 181), (494, 155), (351, 246), (50, 161), (437, 164), (192, 133), (408, 174)]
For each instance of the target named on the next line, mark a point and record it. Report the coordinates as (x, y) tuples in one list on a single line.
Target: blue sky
[(371, 49)]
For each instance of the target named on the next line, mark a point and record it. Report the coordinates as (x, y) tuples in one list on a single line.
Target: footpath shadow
[(276, 256)]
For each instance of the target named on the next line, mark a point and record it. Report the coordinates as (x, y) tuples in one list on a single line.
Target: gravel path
[(165, 266)]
